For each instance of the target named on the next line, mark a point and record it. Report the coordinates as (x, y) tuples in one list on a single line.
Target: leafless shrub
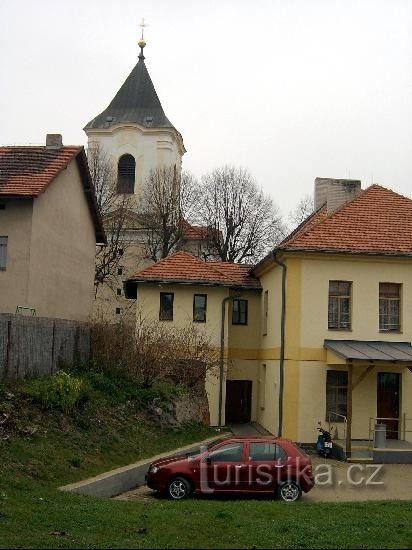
[(149, 354)]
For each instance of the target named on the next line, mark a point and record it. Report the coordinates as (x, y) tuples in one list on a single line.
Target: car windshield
[(202, 448)]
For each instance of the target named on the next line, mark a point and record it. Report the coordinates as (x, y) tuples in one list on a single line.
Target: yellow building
[(49, 228), (327, 336)]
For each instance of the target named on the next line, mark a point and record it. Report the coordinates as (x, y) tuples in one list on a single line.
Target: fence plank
[(35, 346)]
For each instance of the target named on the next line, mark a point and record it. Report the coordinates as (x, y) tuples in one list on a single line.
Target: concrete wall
[(35, 346), (15, 223)]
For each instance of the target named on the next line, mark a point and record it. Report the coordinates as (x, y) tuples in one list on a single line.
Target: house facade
[(49, 228), (329, 328)]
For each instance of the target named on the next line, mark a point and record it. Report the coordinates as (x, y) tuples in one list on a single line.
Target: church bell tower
[(134, 132)]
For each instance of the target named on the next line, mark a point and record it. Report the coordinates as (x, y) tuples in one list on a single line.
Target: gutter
[(222, 353), (282, 341)]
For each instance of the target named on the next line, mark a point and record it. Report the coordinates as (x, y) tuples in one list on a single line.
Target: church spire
[(142, 41)]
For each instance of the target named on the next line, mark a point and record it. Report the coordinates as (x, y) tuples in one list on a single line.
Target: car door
[(224, 468), (267, 465)]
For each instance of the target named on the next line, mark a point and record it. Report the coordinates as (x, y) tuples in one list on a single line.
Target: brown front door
[(388, 402), (238, 401)]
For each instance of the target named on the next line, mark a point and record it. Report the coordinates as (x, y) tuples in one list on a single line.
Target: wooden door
[(388, 402), (238, 401)]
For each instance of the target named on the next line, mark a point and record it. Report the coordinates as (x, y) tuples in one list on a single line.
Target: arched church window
[(126, 174)]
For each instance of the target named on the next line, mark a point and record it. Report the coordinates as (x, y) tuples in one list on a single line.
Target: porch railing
[(343, 419), (402, 423)]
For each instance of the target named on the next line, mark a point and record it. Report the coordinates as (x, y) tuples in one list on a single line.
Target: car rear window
[(266, 451)]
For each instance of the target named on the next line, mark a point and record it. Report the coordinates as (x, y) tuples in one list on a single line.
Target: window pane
[(339, 315), (239, 312), (126, 174), (336, 394), (199, 308), (166, 307), (232, 452), (3, 252)]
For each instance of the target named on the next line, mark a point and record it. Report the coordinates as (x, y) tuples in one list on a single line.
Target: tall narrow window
[(199, 308), (336, 394), (339, 314), (389, 307), (126, 174), (265, 312), (3, 252), (239, 312), (166, 306)]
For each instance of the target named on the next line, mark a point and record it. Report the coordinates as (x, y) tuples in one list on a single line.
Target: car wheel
[(178, 488), (289, 491)]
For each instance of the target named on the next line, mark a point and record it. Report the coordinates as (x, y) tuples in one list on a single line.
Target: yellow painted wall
[(51, 246), (62, 250), (15, 223)]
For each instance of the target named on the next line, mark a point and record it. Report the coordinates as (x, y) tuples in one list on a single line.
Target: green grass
[(48, 449)]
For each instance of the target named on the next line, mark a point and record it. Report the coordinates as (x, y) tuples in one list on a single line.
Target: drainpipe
[(222, 353), (282, 341)]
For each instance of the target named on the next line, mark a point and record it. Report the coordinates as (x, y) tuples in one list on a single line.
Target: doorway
[(388, 402), (238, 401)]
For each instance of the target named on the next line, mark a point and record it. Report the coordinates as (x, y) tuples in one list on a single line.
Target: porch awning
[(400, 352)]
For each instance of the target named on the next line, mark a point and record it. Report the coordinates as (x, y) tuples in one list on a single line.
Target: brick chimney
[(335, 192), (54, 141)]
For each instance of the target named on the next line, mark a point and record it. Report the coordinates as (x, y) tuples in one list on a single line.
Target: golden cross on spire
[(142, 25)]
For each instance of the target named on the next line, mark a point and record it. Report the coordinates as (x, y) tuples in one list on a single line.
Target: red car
[(236, 465)]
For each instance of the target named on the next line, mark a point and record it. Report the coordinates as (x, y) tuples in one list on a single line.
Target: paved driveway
[(339, 482)]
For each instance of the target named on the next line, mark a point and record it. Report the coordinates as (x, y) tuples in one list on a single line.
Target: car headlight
[(153, 469)]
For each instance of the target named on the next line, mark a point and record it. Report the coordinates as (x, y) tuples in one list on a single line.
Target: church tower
[(134, 132)]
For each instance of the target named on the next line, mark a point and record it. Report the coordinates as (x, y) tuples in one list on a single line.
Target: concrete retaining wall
[(34, 346), (120, 480)]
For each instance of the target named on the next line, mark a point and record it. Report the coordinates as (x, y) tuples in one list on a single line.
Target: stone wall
[(35, 346)]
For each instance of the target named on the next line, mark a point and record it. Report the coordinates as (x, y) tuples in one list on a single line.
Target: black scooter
[(324, 443)]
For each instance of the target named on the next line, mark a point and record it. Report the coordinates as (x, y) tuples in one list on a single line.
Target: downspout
[(282, 341), (222, 353)]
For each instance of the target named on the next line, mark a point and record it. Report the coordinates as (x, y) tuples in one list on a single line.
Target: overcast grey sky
[(291, 89)]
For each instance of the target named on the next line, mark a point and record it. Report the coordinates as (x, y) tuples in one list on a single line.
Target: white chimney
[(335, 192)]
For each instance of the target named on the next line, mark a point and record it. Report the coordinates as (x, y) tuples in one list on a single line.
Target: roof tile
[(183, 267)]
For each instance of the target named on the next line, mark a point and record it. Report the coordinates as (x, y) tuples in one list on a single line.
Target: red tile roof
[(194, 232), (28, 171), (377, 221), (182, 267)]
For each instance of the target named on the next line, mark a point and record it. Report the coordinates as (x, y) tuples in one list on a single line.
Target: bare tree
[(168, 200), (303, 209), (242, 222), (115, 210)]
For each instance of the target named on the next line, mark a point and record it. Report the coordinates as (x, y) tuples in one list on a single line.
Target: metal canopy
[(371, 350)]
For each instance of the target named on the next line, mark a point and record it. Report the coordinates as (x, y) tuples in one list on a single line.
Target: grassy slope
[(34, 514)]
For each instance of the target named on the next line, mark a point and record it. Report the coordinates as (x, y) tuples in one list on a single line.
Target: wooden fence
[(35, 346)]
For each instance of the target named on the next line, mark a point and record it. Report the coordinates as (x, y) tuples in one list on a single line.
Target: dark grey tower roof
[(136, 101)]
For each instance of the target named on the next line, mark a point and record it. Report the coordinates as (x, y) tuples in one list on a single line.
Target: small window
[(199, 308), (3, 252), (265, 312), (119, 291), (231, 452), (239, 312), (118, 310), (266, 451), (339, 310), (389, 307), (126, 174), (166, 306), (336, 394), (120, 271), (120, 251)]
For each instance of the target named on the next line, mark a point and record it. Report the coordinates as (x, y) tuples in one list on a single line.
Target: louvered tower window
[(126, 174)]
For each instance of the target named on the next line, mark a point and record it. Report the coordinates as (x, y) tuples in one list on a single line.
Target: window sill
[(340, 329), (389, 331)]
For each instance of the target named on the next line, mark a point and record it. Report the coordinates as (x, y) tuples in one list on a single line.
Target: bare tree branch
[(243, 223), (168, 198), (115, 210), (303, 209)]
